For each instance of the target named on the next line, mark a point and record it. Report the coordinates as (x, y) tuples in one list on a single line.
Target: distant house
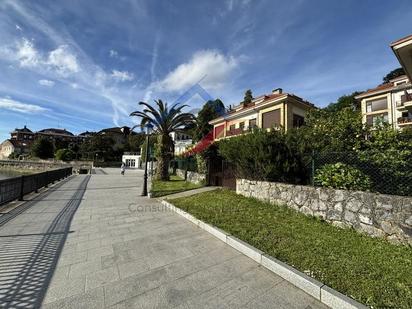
[(181, 142), (392, 102), (267, 111), (58, 135), (10, 146)]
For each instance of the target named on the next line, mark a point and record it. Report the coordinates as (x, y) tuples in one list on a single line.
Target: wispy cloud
[(21, 107), (122, 76), (46, 82), (63, 61), (113, 53)]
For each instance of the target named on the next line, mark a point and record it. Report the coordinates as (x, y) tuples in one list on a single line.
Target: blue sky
[(84, 65)]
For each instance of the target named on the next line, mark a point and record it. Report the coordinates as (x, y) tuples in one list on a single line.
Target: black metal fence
[(187, 164), (16, 187), (387, 172)]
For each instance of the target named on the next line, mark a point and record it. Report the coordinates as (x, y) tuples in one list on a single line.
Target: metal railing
[(15, 188)]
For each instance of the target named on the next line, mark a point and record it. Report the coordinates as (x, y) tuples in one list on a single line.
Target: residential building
[(391, 102), (132, 160), (58, 135), (181, 142), (275, 110), (10, 146), (23, 135)]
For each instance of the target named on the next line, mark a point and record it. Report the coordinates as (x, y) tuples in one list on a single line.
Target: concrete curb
[(316, 289)]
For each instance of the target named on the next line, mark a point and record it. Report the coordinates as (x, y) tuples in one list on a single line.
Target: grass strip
[(176, 184), (370, 270)]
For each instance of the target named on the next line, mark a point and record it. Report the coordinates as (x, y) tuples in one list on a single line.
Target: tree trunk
[(163, 157)]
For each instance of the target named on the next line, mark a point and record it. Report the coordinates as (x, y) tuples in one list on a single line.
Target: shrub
[(342, 176), (42, 148), (65, 154), (269, 156)]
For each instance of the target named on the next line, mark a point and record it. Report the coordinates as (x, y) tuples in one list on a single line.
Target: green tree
[(345, 101), (65, 154), (248, 97), (100, 145), (335, 131), (210, 110), (393, 74), (42, 148), (134, 142), (165, 120)]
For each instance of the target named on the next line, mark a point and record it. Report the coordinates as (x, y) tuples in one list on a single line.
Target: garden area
[(370, 270), (176, 184)]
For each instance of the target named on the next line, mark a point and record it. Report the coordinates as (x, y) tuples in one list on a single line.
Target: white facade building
[(132, 160)]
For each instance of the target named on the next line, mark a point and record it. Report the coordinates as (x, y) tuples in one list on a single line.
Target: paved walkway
[(124, 251)]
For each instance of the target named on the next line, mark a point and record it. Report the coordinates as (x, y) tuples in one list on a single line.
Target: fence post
[(313, 168), (47, 179), (21, 188), (36, 184)]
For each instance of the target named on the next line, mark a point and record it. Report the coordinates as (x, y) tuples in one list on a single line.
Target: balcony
[(405, 103), (405, 121), (234, 132)]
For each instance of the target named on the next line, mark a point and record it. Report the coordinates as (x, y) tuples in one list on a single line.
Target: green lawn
[(174, 185), (370, 270)]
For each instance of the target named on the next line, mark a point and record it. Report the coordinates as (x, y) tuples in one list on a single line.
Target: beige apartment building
[(275, 110), (392, 102)]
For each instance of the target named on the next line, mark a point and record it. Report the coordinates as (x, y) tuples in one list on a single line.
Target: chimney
[(277, 91)]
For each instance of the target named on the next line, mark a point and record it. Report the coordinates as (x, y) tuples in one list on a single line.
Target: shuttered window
[(271, 119)]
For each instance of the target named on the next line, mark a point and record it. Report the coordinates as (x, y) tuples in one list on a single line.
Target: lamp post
[(149, 127)]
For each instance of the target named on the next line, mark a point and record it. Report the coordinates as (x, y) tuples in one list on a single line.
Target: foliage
[(341, 130), (14, 155), (165, 120), (152, 149), (371, 270), (134, 142), (201, 164), (209, 111), (342, 176), (261, 155), (65, 154), (248, 97), (99, 147), (345, 101), (174, 185), (42, 148), (393, 74)]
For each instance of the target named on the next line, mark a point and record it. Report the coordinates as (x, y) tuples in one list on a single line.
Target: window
[(252, 123), (271, 119), (241, 125), (374, 119), (232, 127), (376, 105), (298, 121)]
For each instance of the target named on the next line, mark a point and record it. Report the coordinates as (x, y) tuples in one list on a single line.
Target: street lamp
[(149, 128)]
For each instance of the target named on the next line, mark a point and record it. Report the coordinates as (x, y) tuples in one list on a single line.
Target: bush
[(269, 156), (42, 148), (65, 154), (342, 176)]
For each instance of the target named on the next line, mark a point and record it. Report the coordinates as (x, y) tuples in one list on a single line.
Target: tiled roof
[(386, 86), (56, 131)]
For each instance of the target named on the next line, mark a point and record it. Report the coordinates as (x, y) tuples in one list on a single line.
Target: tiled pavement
[(125, 251)]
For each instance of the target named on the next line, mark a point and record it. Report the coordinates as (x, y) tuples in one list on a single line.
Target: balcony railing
[(404, 99), (234, 132), (405, 120)]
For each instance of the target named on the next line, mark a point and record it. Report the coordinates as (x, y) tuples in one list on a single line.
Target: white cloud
[(17, 106), (46, 82), (26, 54), (113, 53), (122, 76), (63, 61), (210, 65)]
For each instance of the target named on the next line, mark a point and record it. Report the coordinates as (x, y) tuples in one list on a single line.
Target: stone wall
[(44, 165), (191, 176), (379, 215)]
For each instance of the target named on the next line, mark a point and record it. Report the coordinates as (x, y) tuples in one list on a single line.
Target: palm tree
[(165, 120)]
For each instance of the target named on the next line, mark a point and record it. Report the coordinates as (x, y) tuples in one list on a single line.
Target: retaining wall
[(191, 176), (379, 215)]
